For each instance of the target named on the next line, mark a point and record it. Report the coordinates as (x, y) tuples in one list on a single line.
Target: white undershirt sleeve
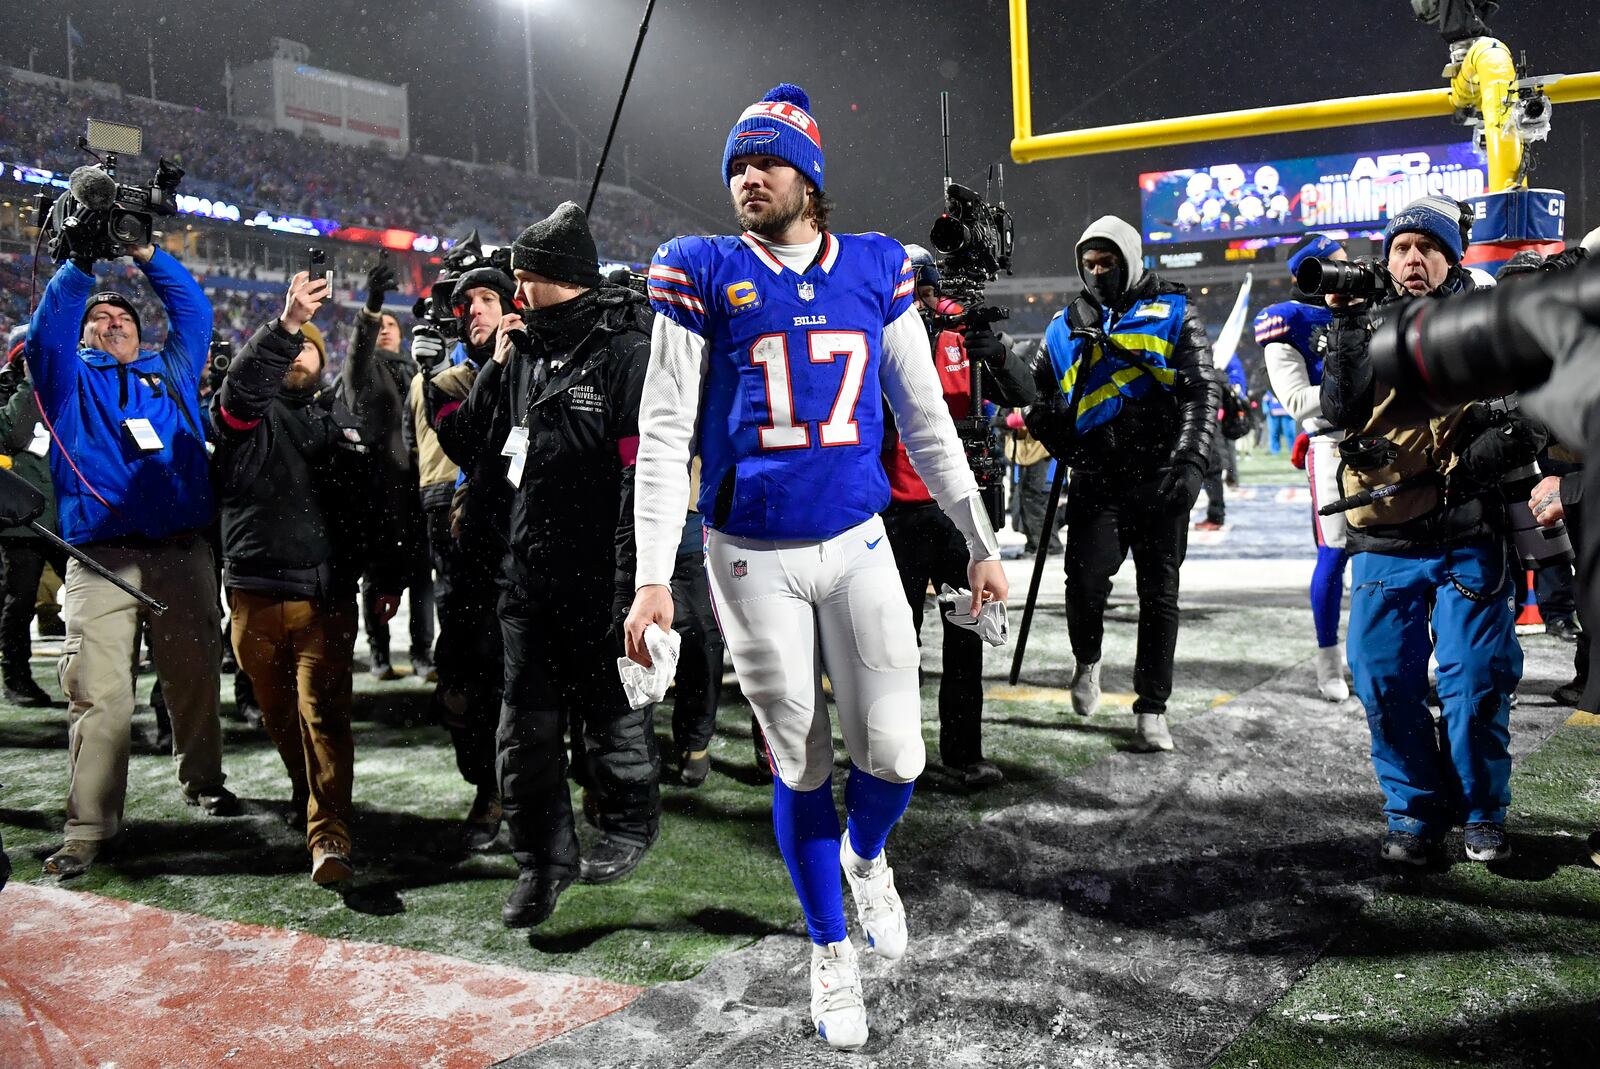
[(1291, 382), (668, 411), (912, 386)]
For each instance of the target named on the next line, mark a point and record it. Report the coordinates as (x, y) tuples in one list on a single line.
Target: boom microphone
[(93, 188)]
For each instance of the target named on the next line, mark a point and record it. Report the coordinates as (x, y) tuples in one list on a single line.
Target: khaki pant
[(96, 674), (297, 655)]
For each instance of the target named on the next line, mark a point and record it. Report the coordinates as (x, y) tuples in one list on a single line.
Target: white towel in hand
[(645, 686)]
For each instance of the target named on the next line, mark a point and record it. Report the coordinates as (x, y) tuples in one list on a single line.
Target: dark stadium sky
[(874, 71)]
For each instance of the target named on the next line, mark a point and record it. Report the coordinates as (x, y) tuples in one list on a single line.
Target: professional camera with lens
[(974, 239), (98, 217), (1363, 279), (1537, 546)]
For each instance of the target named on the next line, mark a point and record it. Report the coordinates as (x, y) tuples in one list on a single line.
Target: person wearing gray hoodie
[(1128, 400)]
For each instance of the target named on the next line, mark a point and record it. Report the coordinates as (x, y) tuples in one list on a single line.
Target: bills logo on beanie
[(1437, 217), (779, 124)]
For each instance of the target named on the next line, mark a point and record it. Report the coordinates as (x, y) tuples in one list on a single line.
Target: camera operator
[(928, 548), (25, 441), (1128, 399), (133, 490), (559, 405), (1286, 332), (302, 515), (1430, 568), (373, 385), (464, 505)]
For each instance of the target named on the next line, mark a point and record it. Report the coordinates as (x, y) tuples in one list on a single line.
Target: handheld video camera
[(98, 216), (1363, 279), (974, 239)]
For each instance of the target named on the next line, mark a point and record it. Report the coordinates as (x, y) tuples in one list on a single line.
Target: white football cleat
[(1086, 689), (1330, 674), (878, 906), (837, 1008), (1150, 733)]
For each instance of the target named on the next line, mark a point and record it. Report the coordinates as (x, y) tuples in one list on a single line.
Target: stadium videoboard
[(1352, 193)]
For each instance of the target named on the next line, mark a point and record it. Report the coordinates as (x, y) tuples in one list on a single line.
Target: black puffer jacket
[(302, 514), (1150, 434), (576, 390)]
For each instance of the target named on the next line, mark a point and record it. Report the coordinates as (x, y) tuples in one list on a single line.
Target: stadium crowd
[(264, 168)]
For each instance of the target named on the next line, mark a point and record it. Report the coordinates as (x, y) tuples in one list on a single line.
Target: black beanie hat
[(112, 297), (490, 278), (559, 247)]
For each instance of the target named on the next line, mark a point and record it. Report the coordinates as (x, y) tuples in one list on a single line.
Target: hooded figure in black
[(1129, 401), (553, 420)]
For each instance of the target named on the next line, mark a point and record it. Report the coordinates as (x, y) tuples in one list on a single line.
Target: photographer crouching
[(303, 515), (133, 489), (1429, 562)]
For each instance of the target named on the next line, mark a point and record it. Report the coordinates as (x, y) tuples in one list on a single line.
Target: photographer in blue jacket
[(133, 486)]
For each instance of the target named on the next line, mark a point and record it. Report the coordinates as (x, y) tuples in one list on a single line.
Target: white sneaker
[(837, 1008), (1150, 733), (1086, 689), (1330, 674), (878, 905)]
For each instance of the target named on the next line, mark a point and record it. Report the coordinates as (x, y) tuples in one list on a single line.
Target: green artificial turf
[(1471, 966), (714, 881)]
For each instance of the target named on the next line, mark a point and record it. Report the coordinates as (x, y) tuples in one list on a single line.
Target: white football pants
[(790, 610), (1322, 470)]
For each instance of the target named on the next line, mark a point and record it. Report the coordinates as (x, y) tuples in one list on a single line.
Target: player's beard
[(774, 216)]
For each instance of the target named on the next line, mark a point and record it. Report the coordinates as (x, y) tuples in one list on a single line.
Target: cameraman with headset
[(1129, 400), (1430, 565), (133, 486), (927, 546)]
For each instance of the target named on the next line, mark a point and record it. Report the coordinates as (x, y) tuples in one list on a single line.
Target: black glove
[(1180, 486), (380, 280), (1092, 335), (985, 345)]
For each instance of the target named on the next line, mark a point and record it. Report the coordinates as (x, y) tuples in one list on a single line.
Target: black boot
[(533, 899), (24, 690), (610, 860)]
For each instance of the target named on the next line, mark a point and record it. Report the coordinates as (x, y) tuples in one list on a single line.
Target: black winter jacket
[(1149, 435), (576, 391), (302, 514)]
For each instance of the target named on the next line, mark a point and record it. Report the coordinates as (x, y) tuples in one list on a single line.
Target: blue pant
[(1454, 602)]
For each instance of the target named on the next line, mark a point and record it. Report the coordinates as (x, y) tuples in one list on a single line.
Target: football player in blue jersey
[(772, 356), (1285, 331)]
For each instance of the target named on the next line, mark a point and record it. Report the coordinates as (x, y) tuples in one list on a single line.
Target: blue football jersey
[(1294, 323), (791, 417)]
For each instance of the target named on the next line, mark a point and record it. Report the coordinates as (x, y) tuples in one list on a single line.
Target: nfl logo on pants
[(740, 569)]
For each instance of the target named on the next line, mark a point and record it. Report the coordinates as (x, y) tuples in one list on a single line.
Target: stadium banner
[(1354, 194)]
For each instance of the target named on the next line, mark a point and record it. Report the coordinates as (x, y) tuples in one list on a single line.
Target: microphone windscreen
[(93, 188)]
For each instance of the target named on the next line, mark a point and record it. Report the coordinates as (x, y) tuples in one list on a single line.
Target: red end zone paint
[(91, 981)]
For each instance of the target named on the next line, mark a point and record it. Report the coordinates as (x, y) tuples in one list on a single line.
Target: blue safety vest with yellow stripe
[(1138, 360)]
